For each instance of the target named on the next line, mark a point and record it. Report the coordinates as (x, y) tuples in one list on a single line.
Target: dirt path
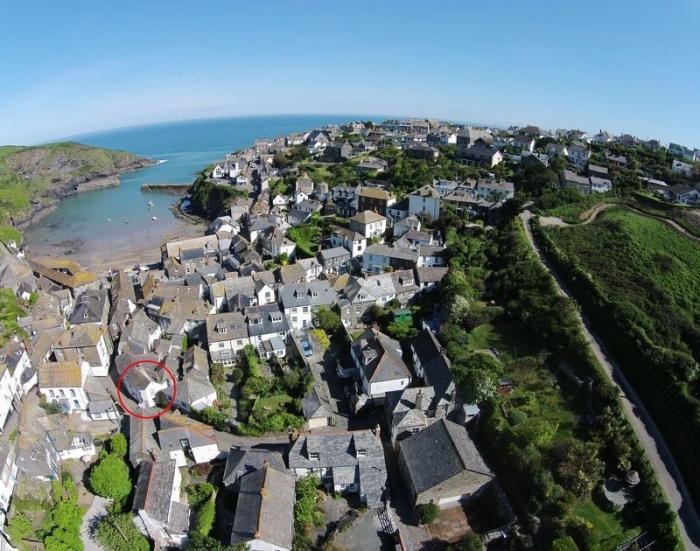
[(649, 435)]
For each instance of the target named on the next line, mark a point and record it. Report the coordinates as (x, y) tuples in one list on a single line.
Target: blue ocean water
[(119, 218)]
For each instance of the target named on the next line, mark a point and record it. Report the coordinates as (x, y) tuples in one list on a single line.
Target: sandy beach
[(114, 253)]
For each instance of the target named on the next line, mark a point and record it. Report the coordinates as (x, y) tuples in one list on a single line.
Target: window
[(51, 393), (76, 404), (361, 452), (306, 309), (239, 343), (61, 392), (72, 393), (184, 443), (314, 455)]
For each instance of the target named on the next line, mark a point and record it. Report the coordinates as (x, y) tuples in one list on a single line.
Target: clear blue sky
[(77, 66)]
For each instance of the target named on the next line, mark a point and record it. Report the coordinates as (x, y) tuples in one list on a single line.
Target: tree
[(477, 376), (328, 320), (321, 338), (212, 416), (564, 544), (428, 512), (197, 494), (110, 478), (117, 532), (577, 466), (118, 445), (19, 527), (60, 530)]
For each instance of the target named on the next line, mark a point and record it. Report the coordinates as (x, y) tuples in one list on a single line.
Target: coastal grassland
[(568, 204), (637, 281), (644, 264)]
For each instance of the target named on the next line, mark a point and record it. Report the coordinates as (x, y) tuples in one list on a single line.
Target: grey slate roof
[(141, 440), (175, 427), (265, 320), (226, 327), (382, 357), (436, 365), (265, 508), (313, 293), (315, 404), (243, 461), (438, 453), (153, 489), (89, 307), (338, 450)]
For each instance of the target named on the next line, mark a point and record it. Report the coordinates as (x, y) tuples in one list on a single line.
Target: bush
[(211, 416), (428, 512), (237, 375), (197, 494), (118, 445), (321, 338), (204, 521), (19, 527), (470, 542), (110, 478)]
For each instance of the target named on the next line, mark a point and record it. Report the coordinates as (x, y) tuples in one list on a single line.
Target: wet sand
[(118, 252)]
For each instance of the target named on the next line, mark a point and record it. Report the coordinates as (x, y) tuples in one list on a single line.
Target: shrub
[(118, 445), (110, 478), (117, 532), (197, 494), (428, 512), (204, 521)]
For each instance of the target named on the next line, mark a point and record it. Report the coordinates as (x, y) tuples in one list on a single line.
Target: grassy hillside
[(31, 177), (645, 264)]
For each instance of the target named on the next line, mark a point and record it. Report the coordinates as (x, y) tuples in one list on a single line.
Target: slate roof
[(338, 450), (333, 252), (89, 307), (174, 427), (440, 452), (272, 320), (241, 461), (382, 357), (316, 404), (381, 249), (313, 293), (435, 364), (141, 440), (291, 273), (265, 508), (233, 325), (152, 493), (136, 334), (431, 274)]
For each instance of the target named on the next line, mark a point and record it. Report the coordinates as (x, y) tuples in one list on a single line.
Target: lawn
[(503, 337), (307, 238), (608, 527), (271, 404)]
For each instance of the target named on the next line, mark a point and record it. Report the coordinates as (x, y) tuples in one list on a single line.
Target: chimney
[(419, 400)]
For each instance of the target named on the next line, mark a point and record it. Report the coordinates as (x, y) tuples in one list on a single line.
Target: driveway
[(655, 447), (88, 529)]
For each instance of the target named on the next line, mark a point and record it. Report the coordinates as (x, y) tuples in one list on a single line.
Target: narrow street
[(97, 510), (658, 452)]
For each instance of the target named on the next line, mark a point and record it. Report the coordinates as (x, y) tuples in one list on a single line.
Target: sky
[(77, 66)]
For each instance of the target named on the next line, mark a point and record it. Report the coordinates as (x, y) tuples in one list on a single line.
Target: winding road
[(658, 452)]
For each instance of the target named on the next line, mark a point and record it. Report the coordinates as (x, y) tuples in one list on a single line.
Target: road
[(97, 510), (667, 472)]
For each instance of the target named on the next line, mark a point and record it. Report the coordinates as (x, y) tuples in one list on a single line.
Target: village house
[(579, 154), (378, 361), (346, 461), (428, 278), (351, 240), (140, 334), (680, 167), (424, 202), (227, 335), (274, 243), (479, 155), (158, 504), (344, 197), (182, 437), (264, 518), (70, 444), (194, 389), (554, 149), (372, 164), (86, 344), (335, 260), (374, 199), (381, 258), (8, 478), (267, 323), (369, 224), (144, 381), (440, 464), (360, 294), (494, 190), (687, 195), (91, 307), (302, 300), (62, 383), (312, 268), (397, 212), (17, 377), (317, 408), (431, 364), (242, 460), (420, 150), (408, 411)]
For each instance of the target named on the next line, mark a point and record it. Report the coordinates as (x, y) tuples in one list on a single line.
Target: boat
[(155, 218), (109, 219)]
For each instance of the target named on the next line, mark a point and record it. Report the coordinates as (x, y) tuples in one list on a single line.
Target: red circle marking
[(121, 380)]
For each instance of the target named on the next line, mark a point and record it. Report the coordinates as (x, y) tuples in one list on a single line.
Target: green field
[(643, 263)]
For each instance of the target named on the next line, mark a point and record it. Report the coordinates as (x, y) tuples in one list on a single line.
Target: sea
[(87, 226)]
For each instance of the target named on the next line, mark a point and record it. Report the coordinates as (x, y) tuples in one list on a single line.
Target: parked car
[(307, 348)]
